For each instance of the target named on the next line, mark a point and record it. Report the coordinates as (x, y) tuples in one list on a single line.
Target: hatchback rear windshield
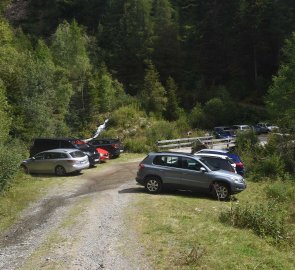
[(77, 154)]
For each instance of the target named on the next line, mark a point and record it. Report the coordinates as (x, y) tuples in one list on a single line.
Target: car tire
[(221, 191), (24, 169), (60, 171), (153, 185)]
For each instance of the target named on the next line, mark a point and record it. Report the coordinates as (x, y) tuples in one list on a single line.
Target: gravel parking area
[(81, 225)]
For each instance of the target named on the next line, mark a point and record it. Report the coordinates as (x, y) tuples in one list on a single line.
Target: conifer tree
[(281, 94), (172, 110), (153, 96)]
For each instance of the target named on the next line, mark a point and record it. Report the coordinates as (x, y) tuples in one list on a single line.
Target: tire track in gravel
[(26, 235)]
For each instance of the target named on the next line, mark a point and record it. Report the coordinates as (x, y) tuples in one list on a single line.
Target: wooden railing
[(208, 141)]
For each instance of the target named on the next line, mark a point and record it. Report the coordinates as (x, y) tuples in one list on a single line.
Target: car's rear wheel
[(153, 184), (221, 191), (60, 171)]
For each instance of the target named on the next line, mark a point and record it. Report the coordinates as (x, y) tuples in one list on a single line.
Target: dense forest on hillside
[(67, 65)]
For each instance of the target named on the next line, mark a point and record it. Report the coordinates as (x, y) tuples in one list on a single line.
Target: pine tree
[(153, 96), (172, 110), (281, 94)]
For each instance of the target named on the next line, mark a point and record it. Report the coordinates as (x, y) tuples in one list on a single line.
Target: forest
[(156, 68)]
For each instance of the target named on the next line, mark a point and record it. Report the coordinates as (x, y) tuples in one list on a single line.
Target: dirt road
[(78, 225)]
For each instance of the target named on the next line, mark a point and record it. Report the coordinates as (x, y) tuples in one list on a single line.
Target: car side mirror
[(203, 170)]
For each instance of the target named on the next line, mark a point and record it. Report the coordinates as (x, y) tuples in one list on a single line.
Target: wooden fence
[(208, 141)]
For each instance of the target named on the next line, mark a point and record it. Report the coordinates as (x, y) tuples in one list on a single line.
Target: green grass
[(183, 231), (24, 190)]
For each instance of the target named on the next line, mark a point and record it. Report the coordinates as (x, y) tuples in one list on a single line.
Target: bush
[(271, 166), (136, 145), (10, 159), (266, 220), (161, 130), (246, 141), (281, 191)]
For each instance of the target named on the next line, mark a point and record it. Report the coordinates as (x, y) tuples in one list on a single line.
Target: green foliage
[(271, 166), (246, 141), (281, 191), (5, 120), (215, 112), (69, 49), (136, 145), (280, 99), (268, 220), (10, 159), (197, 117), (161, 130), (128, 117), (153, 96), (6, 35), (172, 110)]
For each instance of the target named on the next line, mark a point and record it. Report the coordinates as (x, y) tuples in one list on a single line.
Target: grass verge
[(183, 231), (24, 190)]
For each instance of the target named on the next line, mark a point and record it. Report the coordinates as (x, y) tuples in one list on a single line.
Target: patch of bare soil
[(78, 226)]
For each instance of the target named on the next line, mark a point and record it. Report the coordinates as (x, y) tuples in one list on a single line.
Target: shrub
[(161, 130), (10, 159), (136, 145), (126, 117), (271, 166), (246, 141), (266, 220), (281, 191)]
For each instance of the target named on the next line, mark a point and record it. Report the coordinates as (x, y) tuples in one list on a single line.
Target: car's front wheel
[(60, 171), (24, 169), (221, 191), (153, 184)]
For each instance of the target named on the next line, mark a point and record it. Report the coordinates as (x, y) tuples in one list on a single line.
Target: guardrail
[(207, 141)]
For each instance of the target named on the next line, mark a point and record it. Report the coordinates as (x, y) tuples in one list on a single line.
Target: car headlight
[(237, 180)]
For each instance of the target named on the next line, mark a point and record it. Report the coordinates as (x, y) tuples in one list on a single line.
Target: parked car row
[(229, 132), (66, 155), (205, 172)]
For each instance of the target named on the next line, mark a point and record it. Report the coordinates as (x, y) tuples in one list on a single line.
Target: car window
[(191, 164), (170, 161), (77, 154), (218, 163), (203, 160), (39, 156)]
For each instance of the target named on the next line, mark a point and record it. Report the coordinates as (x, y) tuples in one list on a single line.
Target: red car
[(104, 154)]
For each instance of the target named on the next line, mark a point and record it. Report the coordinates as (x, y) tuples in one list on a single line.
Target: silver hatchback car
[(189, 172), (56, 161)]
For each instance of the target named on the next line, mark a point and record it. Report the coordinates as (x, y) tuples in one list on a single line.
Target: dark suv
[(113, 146), (189, 172), (43, 144)]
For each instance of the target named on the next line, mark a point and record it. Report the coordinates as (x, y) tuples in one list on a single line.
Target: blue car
[(240, 168), (222, 134)]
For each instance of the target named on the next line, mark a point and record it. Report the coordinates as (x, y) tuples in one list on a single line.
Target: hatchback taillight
[(141, 166), (240, 164)]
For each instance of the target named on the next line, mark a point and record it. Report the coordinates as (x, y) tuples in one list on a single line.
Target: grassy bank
[(24, 190), (184, 231)]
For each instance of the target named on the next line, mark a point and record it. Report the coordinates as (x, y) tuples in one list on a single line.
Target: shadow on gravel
[(167, 192)]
